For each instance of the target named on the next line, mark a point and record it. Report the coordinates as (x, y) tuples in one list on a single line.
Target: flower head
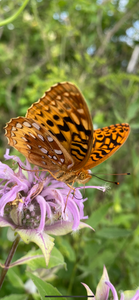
[(37, 205), (104, 286)]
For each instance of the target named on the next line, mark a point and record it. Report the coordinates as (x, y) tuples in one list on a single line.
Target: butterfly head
[(84, 176)]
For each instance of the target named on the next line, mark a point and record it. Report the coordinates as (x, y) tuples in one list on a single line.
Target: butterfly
[(57, 135)]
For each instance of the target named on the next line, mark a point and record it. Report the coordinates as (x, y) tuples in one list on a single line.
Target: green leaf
[(113, 233), (14, 278), (97, 215), (133, 110), (66, 249), (15, 297), (56, 258), (44, 288), (135, 125), (35, 259)]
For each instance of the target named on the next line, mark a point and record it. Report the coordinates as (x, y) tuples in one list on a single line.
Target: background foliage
[(89, 43)]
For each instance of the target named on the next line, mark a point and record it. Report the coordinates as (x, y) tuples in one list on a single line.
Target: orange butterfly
[(57, 135)]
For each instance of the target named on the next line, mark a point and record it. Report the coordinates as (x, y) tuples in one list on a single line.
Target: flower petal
[(89, 292), (115, 296), (43, 240), (102, 290), (64, 227), (4, 223)]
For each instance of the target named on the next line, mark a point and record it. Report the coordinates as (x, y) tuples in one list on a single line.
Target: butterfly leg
[(71, 188)]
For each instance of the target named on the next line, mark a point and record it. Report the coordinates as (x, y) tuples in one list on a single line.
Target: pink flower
[(36, 205)]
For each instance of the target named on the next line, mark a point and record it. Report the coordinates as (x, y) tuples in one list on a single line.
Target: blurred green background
[(95, 45)]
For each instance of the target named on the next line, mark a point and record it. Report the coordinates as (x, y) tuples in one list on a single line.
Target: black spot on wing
[(50, 123), (56, 117), (59, 136), (64, 127), (68, 119)]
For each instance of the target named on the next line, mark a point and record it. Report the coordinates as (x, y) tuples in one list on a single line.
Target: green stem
[(8, 260), (12, 18)]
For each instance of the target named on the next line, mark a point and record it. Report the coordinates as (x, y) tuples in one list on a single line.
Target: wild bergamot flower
[(35, 205)]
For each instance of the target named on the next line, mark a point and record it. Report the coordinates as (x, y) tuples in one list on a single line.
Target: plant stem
[(8, 260), (13, 17)]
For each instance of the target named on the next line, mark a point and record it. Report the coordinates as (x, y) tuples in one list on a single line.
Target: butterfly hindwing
[(106, 141), (37, 144)]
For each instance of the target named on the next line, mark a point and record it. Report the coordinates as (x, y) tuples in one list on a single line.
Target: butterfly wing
[(106, 142), (63, 112), (57, 131), (37, 144)]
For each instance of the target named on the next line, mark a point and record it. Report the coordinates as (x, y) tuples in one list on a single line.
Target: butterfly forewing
[(106, 141), (63, 111)]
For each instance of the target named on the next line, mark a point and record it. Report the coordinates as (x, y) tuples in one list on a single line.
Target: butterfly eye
[(83, 177)]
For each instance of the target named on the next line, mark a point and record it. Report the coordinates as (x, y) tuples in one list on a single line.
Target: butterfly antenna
[(115, 182), (112, 174)]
